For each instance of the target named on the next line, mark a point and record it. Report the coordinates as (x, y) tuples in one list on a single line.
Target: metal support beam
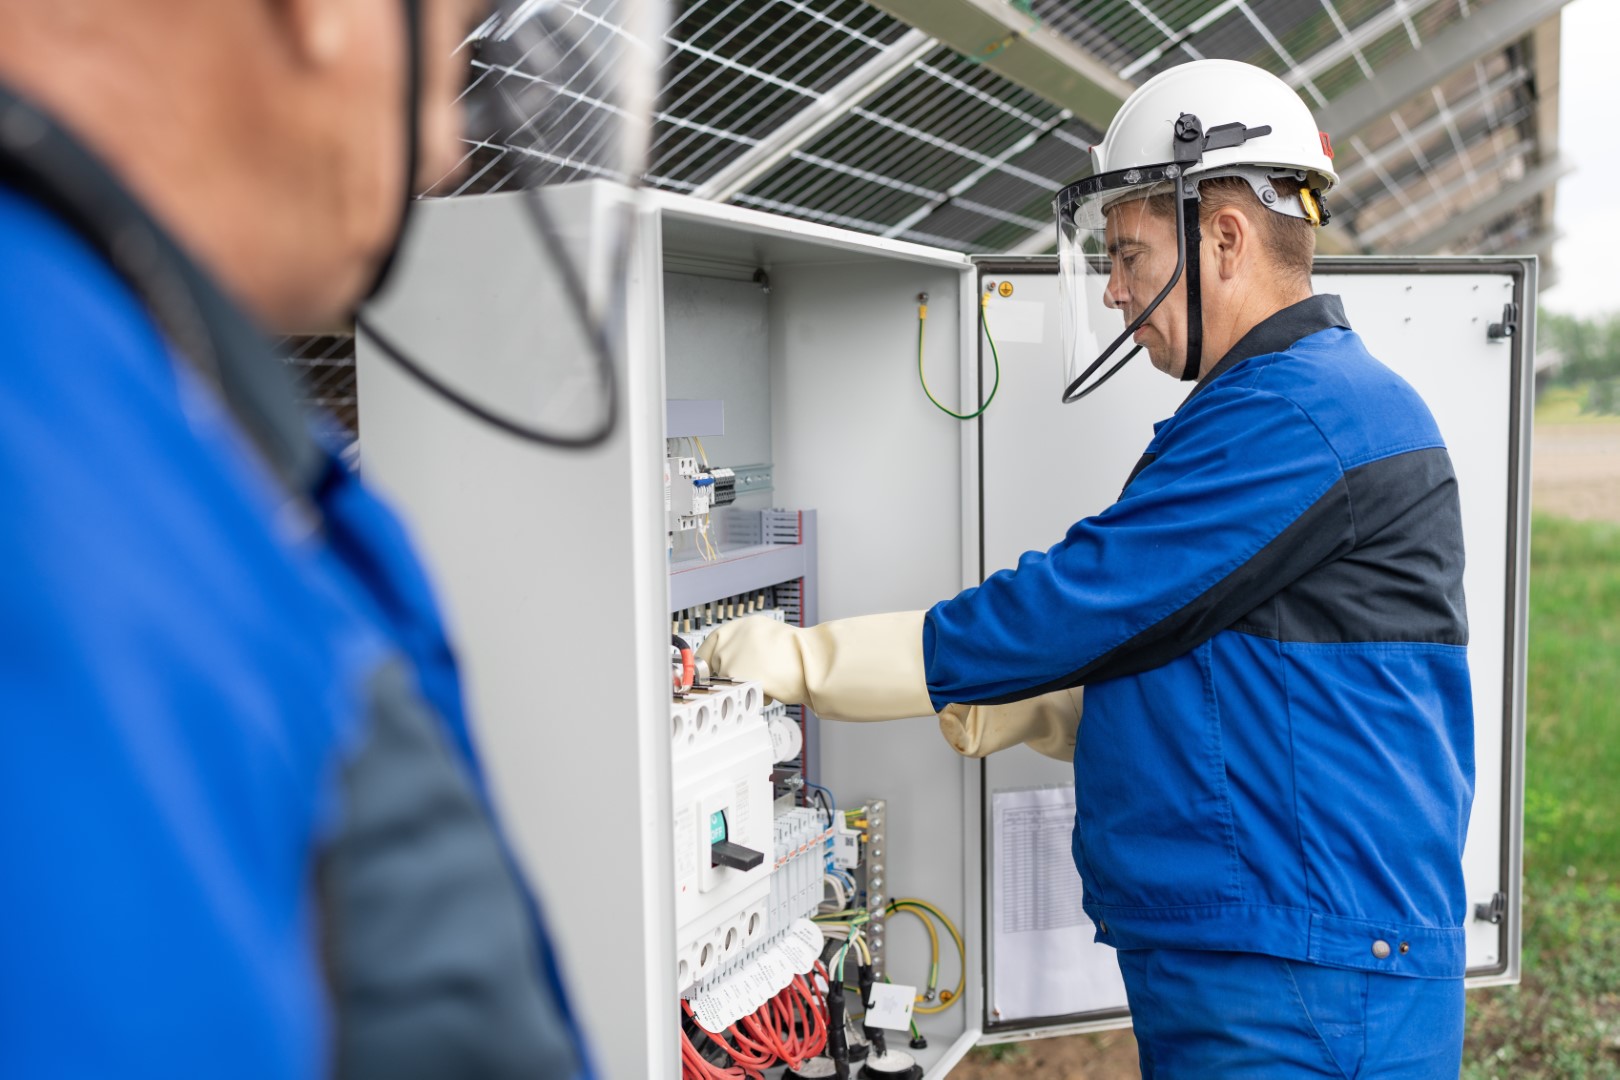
[(1492, 27), (1546, 50), (1481, 214), (1348, 45), (1014, 45), (1039, 242), (1540, 244), (821, 114), (1398, 147), (1442, 196)]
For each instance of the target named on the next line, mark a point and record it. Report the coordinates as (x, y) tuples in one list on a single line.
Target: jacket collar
[(41, 161), (1278, 333)]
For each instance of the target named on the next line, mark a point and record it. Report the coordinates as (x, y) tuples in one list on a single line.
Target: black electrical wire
[(874, 1035), (820, 799), (837, 1045)]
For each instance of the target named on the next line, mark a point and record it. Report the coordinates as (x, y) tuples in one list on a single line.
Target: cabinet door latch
[(1493, 911), (1501, 331)]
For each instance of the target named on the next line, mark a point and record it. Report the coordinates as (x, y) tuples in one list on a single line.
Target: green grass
[(1563, 1021), (1567, 405), (1572, 765)]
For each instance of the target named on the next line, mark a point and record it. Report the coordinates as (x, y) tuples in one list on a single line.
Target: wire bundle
[(790, 1028), (849, 926)]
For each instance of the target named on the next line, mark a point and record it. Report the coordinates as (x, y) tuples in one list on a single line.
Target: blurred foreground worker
[(244, 833), (1275, 770)]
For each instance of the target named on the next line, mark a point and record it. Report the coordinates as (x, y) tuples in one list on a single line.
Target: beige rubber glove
[(866, 668), (1048, 724)]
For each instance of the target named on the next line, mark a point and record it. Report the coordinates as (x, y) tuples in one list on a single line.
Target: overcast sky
[(1589, 136)]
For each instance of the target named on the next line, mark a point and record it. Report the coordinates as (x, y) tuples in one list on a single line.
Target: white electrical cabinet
[(556, 570)]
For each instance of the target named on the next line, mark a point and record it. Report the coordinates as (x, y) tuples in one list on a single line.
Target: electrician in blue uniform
[(1275, 766), (244, 832)]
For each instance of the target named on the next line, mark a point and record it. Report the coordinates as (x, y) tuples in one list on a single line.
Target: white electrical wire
[(840, 897)]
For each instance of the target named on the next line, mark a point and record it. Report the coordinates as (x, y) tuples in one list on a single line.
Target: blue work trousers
[(1219, 1015)]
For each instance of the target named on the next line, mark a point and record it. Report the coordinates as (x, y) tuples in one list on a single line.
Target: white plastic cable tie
[(803, 945)]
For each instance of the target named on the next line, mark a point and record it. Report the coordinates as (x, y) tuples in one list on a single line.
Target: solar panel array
[(835, 112), (950, 153)]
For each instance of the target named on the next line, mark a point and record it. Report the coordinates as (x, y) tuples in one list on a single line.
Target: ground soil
[(1575, 474), (1576, 471), (1108, 1056)]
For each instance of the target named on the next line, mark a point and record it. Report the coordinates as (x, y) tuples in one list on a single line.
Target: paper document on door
[(1044, 962)]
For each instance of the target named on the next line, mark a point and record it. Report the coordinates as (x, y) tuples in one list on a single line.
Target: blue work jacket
[(242, 830), (1277, 752)]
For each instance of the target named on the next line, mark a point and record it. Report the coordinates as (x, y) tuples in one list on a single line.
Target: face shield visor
[(1123, 239), (555, 92)]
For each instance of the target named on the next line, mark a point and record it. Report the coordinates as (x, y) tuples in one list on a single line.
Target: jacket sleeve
[(433, 955), (1243, 497)]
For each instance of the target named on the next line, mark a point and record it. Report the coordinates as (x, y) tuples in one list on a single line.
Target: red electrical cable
[(815, 1011), (761, 1033), (695, 1065), (762, 1055), (795, 1023), (791, 1027), (747, 1053), (749, 1058)]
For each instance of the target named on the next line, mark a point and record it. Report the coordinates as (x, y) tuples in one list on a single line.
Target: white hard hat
[(1235, 103)]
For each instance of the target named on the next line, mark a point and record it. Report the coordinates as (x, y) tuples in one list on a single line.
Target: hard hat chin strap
[(411, 10), (1190, 143), (1193, 239)]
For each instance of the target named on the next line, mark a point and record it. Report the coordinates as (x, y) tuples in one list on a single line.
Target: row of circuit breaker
[(692, 491), (746, 867)]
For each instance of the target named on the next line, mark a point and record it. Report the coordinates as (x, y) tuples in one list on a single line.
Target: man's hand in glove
[(871, 668), (866, 668), (1048, 723)]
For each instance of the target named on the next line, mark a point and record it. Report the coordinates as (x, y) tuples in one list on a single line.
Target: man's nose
[(1117, 293)]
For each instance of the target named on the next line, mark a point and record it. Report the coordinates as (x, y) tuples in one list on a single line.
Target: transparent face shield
[(1123, 239), (556, 92)]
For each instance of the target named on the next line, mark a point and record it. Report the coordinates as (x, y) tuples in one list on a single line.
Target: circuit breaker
[(723, 831)]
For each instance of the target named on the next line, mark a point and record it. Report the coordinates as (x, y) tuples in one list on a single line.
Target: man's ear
[(1231, 234), (317, 30)]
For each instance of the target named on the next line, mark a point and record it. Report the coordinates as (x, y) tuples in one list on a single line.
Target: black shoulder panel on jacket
[(428, 941), (1319, 534), (1377, 558), (1402, 581), (1136, 470)]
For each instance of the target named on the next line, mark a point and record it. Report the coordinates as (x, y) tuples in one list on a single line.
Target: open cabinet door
[(1044, 465)]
